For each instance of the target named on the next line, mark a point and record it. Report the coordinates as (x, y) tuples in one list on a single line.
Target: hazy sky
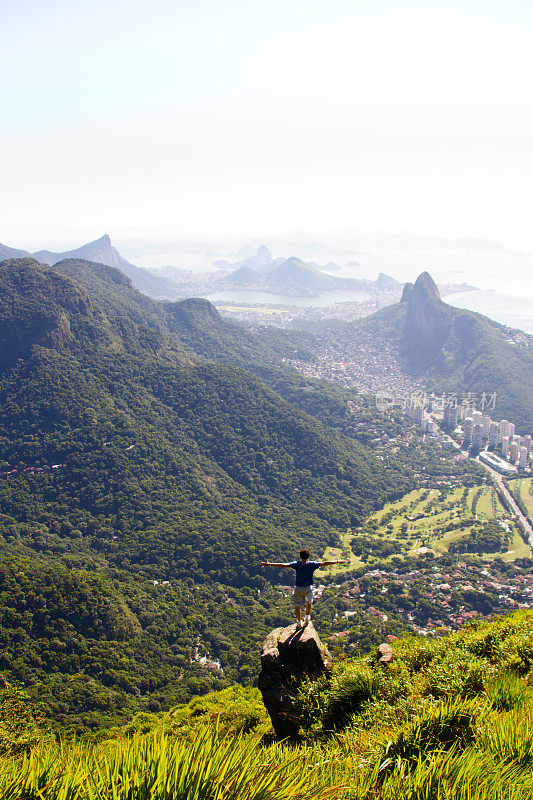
[(205, 117)]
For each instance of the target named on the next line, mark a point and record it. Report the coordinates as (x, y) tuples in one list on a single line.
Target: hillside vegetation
[(141, 485), (448, 718)]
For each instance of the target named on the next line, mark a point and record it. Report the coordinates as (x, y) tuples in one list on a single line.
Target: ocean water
[(503, 278), (509, 310)]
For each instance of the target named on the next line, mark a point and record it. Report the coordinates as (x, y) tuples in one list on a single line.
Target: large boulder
[(289, 656)]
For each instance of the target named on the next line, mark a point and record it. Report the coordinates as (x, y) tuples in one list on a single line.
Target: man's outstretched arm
[(272, 564), (331, 563)]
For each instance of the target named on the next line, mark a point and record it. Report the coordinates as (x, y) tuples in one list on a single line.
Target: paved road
[(512, 502)]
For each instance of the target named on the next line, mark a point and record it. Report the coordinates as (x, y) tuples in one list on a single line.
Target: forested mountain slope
[(79, 387), (124, 459), (197, 326)]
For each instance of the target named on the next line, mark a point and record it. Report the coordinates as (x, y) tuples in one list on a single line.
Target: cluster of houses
[(487, 593)]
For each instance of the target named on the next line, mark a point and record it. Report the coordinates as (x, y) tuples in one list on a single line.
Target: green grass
[(442, 545), (447, 719), (156, 767), (344, 552), (439, 511), (522, 488), (485, 505)]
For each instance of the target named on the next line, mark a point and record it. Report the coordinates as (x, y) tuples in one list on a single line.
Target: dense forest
[(142, 483)]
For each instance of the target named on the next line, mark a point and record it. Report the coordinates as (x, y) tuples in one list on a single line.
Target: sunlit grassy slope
[(437, 519), (448, 719)]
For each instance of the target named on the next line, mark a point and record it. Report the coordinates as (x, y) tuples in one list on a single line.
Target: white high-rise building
[(505, 447), (511, 429), (486, 423), (504, 428), (522, 463), (513, 452), (468, 428), (527, 443), (477, 436), (477, 416), (493, 434)]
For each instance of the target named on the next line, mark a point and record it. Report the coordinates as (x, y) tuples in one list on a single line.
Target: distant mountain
[(102, 251), (258, 259), (386, 283), (453, 350), (294, 276), (244, 277), (11, 252), (297, 278)]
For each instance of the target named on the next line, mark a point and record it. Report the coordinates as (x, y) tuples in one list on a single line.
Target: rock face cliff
[(289, 656), (427, 323)]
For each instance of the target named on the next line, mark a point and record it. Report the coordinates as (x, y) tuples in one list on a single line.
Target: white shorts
[(302, 594)]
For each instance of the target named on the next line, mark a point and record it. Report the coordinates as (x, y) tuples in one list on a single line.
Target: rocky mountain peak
[(425, 287), (426, 323), (407, 292), (264, 254)]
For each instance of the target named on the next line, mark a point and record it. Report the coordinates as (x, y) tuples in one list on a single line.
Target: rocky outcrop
[(386, 653), (426, 325), (289, 656), (407, 292)]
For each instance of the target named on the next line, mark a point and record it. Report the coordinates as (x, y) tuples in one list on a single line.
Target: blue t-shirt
[(304, 572)]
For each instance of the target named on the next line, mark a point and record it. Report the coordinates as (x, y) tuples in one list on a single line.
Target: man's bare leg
[(307, 611), (298, 612)]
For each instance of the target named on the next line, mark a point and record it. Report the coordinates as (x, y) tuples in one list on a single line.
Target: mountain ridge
[(452, 350), (101, 251)]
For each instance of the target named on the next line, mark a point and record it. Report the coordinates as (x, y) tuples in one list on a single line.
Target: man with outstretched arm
[(303, 589)]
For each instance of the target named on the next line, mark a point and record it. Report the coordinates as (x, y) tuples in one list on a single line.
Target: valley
[(154, 453)]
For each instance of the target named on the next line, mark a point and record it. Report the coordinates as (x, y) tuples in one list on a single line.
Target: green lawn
[(524, 487), (438, 510), (442, 545), (345, 551), (484, 506)]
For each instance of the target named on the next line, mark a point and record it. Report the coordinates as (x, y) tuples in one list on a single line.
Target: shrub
[(22, 723), (457, 674), (348, 694), (449, 724)]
